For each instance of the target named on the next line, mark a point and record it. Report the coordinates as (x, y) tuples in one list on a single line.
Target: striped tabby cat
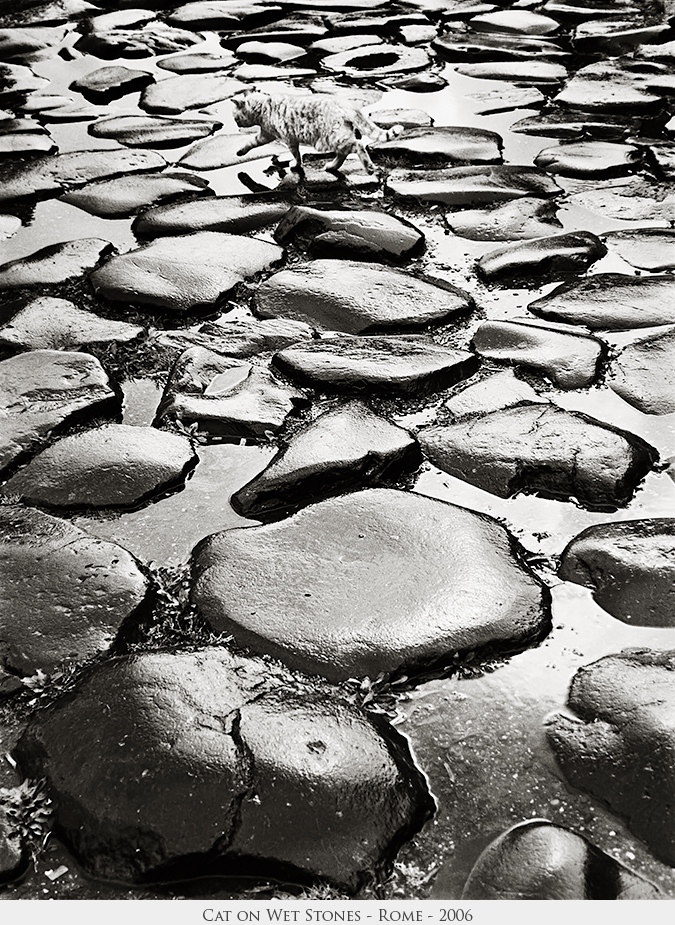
[(311, 119)]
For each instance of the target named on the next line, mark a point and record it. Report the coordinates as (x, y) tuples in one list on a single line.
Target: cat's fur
[(310, 119)]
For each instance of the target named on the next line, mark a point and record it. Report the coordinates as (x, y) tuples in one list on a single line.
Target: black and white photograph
[(337, 460)]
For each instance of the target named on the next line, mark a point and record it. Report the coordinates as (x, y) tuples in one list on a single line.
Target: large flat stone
[(572, 250), (644, 373), (185, 272), (63, 594), (123, 196), (200, 785), (346, 448), (45, 323), (440, 145), (407, 364), (464, 186), (611, 302), (188, 91), (111, 466), (54, 264), (380, 580), (233, 214), (543, 449), (42, 390), (620, 744), (356, 297)]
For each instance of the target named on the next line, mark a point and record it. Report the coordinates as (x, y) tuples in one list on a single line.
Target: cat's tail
[(367, 127)]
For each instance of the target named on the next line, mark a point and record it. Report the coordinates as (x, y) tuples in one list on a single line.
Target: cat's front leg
[(297, 157), (256, 142)]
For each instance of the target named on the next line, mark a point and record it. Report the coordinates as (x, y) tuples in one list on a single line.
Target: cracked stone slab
[(110, 83), (347, 607), (347, 448), (644, 373), (110, 466), (42, 390), (440, 145), (356, 297), (499, 390), (542, 449), (154, 38), (645, 248), (374, 61), (188, 91), (222, 151), (519, 219), (54, 264), (405, 364), (571, 251), (611, 302), (185, 272), (124, 196), (63, 593), (232, 214), (242, 338), (46, 323), (540, 860), (227, 397), (619, 745), (615, 85), (48, 176), (463, 186), (359, 232), (589, 158), (205, 781), (152, 131), (569, 359), (629, 566)]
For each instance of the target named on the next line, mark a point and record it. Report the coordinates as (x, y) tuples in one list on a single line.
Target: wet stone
[(269, 52), (25, 143), (118, 19), (644, 373), (222, 151), (110, 83), (152, 131), (124, 196), (615, 38), (46, 323), (589, 159), (41, 390), (439, 146), (522, 22), (475, 46), (538, 860), (619, 745), (226, 397), (64, 594), (499, 390), (645, 248), (354, 297), (610, 86), (155, 38), (570, 360), (243, 338), (458, 186), (526, 73), (377, 61), (346, 608), (16, 43), (417, 35), (574, 124), (340, 43), (233, 214), (111, 466), (50, 108), (561, 253), (17, 78), (197, 62), (54, 264), (408, 118), (408, 364), (206, 782), (626, 199), (258, 72), (504, 100), (422, 82), (344, 449), (542, 449), (48, 176), (611, 302), (629, 566), (188, 91), (206, 14), (520, 219), (359, 233), (185, 272)]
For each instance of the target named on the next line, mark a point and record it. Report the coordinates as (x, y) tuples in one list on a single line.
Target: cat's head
[(247, 107)]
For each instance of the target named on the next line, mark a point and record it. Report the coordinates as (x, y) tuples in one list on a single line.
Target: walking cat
[(310, 119)]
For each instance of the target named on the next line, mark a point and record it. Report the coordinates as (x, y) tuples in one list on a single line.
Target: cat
[(310, 119)]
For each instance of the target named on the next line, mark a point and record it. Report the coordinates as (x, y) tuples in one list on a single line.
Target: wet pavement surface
[(337, 511)]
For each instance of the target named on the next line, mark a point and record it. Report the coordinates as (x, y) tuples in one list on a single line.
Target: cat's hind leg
[(365, 158), (297, 157), (337, 162)]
